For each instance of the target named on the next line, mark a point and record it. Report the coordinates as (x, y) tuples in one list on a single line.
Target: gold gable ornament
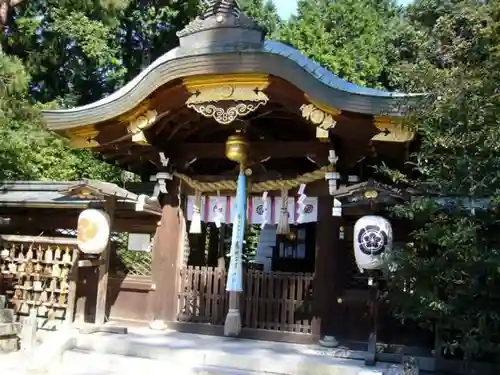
[(226, 98)]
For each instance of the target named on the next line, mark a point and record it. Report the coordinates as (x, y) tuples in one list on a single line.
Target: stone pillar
[(166, 258)]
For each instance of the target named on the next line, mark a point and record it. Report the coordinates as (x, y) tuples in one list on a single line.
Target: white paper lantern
[(93, 231), (372, 242)]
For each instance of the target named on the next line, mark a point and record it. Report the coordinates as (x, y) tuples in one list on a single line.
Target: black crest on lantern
[(372, 240)]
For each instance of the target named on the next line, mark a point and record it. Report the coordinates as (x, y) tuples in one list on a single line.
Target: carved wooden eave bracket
[(227, 98), (391, 130), (322, 116), (137, 126)]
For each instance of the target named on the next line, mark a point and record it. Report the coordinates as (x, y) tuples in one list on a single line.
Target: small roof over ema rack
[(70, 195)]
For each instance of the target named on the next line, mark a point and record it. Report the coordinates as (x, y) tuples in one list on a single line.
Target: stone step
[(85, 363), (7, 316), (196, 354)]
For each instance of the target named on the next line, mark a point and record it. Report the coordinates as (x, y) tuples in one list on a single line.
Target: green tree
[(264, 12), (447, 275), (69, 53), (349, 37)]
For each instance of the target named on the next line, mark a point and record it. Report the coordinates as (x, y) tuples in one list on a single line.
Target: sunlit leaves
[(450, 262), (350, 38)]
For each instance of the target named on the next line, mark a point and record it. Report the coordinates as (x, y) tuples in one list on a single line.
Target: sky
[(288, 7)]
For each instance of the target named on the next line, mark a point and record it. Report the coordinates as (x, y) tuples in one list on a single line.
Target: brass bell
[(237, 148)]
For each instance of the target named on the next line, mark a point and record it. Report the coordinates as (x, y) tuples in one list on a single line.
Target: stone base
[(9, 340), (9, 331), (9, 344), (7, 316), (329, 342), (158, 325)]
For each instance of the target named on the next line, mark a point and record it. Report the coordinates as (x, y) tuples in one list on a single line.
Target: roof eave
[(273, 58)]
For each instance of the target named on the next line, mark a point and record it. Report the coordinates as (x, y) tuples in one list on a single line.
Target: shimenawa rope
[(259, 187)]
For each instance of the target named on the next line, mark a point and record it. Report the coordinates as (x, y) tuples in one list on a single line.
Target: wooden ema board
[(38, 276)]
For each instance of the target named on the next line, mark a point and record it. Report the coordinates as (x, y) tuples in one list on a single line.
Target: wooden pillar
[(326, 291), (166, 256), (102, 286), (73, 282)]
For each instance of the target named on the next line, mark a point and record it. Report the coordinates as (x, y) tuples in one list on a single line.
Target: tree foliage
[(349, 37), (67, 53), (448, 273), (264, 12)]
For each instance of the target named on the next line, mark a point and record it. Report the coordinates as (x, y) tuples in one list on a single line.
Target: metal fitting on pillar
[(161, 184), (332, 157), (337, 208), (332, 176), (352, 179)]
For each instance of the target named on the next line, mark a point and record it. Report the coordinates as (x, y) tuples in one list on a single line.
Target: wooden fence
[(278, 301)]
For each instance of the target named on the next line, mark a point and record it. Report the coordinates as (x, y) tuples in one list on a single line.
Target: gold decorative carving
[(228, 92), (322, 135), (227, 97), (318, 117), (83, 137), (139, 124), (227, 115), (371, 194), (391, 130)]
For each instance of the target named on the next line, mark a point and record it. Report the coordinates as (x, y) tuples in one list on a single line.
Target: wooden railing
[(276, 301)]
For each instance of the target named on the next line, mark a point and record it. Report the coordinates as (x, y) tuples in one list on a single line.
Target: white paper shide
[(217, 207), (219, 210), (261, 210)]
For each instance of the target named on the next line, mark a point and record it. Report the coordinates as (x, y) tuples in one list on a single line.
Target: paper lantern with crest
[(372, 242), (94, 229)]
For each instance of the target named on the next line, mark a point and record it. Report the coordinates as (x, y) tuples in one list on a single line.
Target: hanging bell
[(237, 148)]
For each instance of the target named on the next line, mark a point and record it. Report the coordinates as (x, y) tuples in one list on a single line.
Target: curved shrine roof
[(225, 41)]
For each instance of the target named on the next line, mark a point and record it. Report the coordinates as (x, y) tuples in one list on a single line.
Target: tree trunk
[(5, 7)]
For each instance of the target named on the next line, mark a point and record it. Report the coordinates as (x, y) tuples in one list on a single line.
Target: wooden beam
[(63, 220), (37, 239), (102, 286), (206, 150), (277, 149)]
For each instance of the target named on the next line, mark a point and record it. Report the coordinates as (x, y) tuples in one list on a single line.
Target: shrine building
[(223, 107)]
